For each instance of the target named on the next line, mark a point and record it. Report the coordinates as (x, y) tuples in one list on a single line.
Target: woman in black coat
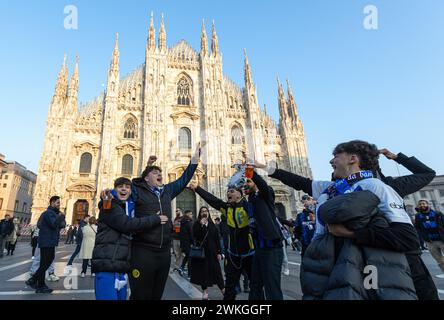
[(206, 272)]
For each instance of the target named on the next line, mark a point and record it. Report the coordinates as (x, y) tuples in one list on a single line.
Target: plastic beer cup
[(107, 201)]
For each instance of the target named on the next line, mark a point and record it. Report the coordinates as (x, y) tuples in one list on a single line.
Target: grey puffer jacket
[(333, 268)]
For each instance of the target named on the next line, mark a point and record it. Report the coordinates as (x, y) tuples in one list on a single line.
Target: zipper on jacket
[(236, 229), (161, 225)]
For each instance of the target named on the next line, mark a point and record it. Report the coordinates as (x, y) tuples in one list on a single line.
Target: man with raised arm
[(150, 255)]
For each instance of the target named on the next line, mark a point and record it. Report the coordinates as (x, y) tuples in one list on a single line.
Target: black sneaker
[(43, 290), (31, 283)]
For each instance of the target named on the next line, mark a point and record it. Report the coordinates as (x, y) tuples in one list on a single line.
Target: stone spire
[(247, 71), (292, 107), (74, 84), (203, 41), (162, 36), (151, 34), (114, 71), (214, 42), (114, 67), (282, 103), (61, 88)]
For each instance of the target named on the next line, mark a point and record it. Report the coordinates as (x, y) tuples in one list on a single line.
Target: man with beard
[(304, 226), (430, 226)]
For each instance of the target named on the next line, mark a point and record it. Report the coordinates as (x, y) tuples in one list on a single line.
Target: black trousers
[(303, 249), (149, 272), (47, 256), (34, 243), (424, 285), (11, 247), (234, 266), (85, 265), (266, 274), (186, 261)]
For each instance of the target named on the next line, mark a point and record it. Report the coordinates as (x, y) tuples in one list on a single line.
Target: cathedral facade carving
[(176, 98)]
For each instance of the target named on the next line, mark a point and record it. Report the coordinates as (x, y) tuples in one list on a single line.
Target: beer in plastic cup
[(107, 201)]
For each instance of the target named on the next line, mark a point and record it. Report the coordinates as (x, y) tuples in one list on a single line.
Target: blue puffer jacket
[(49, 224)]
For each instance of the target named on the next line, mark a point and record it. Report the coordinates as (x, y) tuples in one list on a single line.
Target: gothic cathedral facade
[(177, 98)]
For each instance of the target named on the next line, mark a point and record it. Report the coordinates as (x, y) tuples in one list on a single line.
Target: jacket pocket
[(116, 248)]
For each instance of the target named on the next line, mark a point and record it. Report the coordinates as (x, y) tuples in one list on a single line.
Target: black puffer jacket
[(332, 268), (112, 250)]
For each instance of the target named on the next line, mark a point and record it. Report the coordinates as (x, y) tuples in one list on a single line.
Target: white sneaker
[(286, 272), (82, 275), (53, 278), (440, 276), (93, 274), (32, 258), (67, 270)]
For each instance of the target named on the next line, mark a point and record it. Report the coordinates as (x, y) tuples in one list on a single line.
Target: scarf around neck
[(342, 186)]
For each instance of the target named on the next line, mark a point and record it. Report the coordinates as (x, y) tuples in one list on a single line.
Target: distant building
[(433, 193), (17, 185)]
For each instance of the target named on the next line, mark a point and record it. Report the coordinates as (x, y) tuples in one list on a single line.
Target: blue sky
[(385, 86)]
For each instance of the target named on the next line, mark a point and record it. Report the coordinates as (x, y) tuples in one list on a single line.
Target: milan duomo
[(175, 99)]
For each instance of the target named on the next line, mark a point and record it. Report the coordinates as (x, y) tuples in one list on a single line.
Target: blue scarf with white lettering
[(342, 186)]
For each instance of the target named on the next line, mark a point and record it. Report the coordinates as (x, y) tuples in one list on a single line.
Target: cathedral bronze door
[(80, 211), (187, 201)]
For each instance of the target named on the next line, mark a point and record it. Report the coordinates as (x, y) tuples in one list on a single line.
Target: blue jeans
[(36, 264), (105, 287), (266, 274), (74, 254)]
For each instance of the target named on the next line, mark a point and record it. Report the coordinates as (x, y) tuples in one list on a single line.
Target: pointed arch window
[(129, 130), (237, 136), (184, 139), (127, 164), (85, 163), (184, 92)]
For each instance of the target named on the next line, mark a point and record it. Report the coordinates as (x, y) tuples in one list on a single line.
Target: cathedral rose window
[(237, 136), (184, 92), (129, 129)]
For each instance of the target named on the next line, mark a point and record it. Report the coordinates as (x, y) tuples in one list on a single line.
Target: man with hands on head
[(351, 158)]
